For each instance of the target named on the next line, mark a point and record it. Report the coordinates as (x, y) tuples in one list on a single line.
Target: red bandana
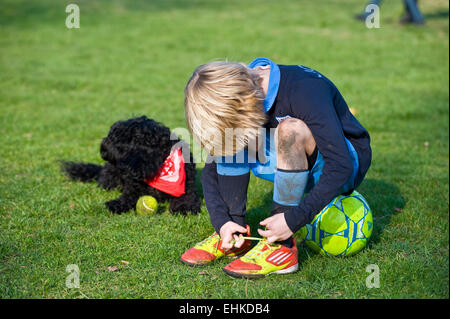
[(171, 176)]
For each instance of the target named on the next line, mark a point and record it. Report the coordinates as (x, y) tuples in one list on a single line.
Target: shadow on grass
[(198, 183), (385, 201), (437, 15), (258, 213)]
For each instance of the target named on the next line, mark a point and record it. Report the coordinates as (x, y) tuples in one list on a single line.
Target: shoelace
[(257, 250), (213, 237), (208, 239), (243, 237)]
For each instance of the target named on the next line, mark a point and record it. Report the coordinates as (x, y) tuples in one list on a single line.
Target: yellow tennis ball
[(146, 205)]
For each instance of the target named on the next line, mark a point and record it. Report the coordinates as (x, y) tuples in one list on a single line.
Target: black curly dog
[(134, 151)]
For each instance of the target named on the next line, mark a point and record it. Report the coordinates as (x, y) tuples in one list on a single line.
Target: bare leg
[(294, 141)]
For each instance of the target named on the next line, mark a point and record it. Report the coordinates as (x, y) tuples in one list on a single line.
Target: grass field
[(61, 89)]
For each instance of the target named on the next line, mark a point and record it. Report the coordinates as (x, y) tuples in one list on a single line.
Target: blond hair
[(223, 96)]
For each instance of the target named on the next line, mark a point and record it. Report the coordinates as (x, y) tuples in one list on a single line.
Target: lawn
[(61, 89)]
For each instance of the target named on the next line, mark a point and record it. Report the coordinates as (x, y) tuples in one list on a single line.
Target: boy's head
[(224, 106)]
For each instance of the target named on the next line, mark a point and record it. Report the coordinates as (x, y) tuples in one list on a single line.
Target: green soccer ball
[(342, 228), (146, 205)]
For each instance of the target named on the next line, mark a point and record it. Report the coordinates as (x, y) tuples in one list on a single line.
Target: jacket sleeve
[(312, 102), (225, 196)]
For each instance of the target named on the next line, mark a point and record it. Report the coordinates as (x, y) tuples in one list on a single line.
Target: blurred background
[(61, 89)]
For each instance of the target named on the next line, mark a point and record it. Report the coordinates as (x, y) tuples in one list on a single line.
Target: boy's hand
[(276, 228), (227, 234)]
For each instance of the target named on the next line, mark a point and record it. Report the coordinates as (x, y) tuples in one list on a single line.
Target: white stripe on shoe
[(274, 256), (284, 258), (276, 260)]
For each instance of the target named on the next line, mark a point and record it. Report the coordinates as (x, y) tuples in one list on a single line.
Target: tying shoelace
[(257, 250)]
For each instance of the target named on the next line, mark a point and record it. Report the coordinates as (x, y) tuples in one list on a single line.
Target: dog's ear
[(137, 164)]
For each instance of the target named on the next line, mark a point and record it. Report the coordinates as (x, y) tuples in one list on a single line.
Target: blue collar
[(274, 80)]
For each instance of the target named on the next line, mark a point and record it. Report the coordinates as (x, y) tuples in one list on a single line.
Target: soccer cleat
[(211, 249), (265, 259)]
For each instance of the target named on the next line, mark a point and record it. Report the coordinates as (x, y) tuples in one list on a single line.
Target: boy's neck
[(264, 73)]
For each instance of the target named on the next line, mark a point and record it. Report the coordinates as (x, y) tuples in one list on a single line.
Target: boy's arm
[(314, 98), (225, 196)]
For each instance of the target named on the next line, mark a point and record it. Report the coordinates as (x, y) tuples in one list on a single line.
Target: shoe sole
[(195, 265), (210, 262), (286, 271)]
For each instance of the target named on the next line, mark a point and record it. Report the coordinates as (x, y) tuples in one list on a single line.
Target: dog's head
[(137, 146)]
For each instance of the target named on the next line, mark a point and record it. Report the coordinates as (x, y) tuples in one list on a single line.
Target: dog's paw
[(115, 206), (185, 206)]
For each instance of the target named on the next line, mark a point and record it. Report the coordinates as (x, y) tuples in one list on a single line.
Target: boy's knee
[(293, 132)]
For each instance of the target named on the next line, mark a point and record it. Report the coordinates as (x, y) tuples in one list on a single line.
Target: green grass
[(61, 89)]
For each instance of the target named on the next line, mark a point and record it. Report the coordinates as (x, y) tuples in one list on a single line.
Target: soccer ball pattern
[(342, 228)]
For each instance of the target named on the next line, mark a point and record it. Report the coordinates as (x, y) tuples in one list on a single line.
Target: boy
[(313, 145)]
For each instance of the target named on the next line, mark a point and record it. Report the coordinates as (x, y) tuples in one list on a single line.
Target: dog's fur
[(134, 151)]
